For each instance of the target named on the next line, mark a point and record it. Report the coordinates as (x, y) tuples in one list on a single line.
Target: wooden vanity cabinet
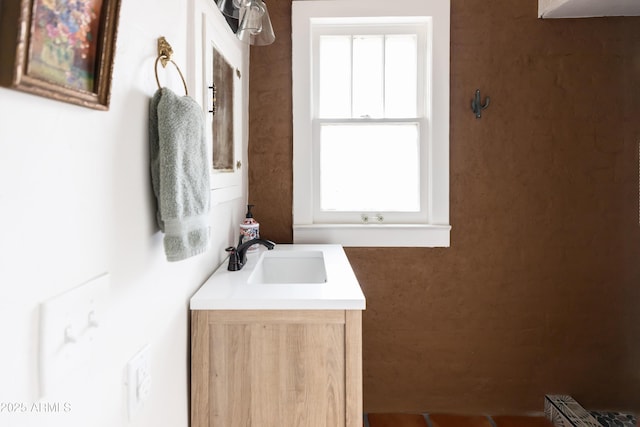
[(284, 368)]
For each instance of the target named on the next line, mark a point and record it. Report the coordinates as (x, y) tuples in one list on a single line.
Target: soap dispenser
[(249, 228)]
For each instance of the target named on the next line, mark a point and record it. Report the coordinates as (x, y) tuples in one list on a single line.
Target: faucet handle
[(234, 262)]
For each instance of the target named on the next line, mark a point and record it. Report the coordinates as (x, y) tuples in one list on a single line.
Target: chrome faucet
[(238, 255)]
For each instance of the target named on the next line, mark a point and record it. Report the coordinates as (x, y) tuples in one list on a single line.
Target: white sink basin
[(289, 277), (285, 267)]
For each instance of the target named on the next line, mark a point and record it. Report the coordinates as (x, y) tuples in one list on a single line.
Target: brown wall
[(540, 289)]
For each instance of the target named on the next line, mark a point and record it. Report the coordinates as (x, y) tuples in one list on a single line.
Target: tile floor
[(447, 420), (615, 419)]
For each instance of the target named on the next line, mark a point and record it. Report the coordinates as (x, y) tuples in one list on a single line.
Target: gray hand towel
[(180, 173)]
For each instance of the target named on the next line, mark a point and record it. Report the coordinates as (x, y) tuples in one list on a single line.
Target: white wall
[(75, 202)]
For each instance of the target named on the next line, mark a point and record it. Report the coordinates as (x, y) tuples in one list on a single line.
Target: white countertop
[(230, 290)]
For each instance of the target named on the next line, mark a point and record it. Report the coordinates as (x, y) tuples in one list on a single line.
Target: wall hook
[(165, 51), (477, 106)]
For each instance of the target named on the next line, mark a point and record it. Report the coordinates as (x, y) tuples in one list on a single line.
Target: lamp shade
[(255, 25), (230, 8)]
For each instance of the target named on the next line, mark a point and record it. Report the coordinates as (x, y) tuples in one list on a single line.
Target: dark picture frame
[(59, 49)]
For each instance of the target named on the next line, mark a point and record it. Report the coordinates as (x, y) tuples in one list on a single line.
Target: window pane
[(335, 76), (401, 76), (368, 76), (370, 167)]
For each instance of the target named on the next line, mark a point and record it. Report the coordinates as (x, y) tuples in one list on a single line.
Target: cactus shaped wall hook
[(477, 106)]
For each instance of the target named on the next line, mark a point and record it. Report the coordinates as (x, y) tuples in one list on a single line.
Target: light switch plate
[(69, 325), (138, 381)]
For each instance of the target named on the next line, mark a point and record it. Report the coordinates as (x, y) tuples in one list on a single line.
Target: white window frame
[(432, 230)]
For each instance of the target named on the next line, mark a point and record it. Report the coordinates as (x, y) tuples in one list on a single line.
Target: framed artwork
[(59, 49)]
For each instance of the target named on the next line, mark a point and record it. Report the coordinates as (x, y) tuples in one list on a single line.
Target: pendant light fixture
[(254, 24)]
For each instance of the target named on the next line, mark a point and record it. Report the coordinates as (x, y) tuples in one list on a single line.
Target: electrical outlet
[(138, 381)]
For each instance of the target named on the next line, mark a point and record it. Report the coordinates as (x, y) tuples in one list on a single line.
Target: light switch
[(138, 381), (69, 325)]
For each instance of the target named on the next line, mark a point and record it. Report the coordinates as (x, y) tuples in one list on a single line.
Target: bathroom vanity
[(279, 343)]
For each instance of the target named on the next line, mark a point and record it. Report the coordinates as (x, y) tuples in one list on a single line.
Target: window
[(371, 119), (367, 122)]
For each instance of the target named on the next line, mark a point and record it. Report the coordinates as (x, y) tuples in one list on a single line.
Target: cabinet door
[(217, 60), (274, 369)]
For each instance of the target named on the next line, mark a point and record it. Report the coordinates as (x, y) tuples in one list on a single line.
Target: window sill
[(375, 235)]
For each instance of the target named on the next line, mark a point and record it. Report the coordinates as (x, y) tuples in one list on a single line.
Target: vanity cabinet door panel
[(276, 369)]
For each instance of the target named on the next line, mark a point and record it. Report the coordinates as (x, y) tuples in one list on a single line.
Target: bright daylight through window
[(365, 79), (371, 121)]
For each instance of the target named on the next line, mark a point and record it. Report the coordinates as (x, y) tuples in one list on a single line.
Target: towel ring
[(165, 59)]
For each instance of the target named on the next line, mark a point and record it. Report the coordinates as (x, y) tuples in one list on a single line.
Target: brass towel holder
[(165, 52)]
